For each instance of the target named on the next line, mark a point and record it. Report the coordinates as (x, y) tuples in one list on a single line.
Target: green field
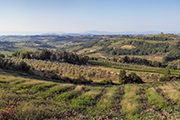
[(98, 63), (6, 53), (25, 97)]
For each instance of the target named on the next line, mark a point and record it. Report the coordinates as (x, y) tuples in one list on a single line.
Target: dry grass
[(65, 85), (33, 82), (79, 87), (93, 92), (92, 49), (172, 92), (9, 78), (97, 55), (176, 84), (128, 47)]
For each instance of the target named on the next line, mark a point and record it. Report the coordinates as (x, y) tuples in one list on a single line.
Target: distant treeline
[(154, 38), (174, 53), (139, 61), (142, 48), (47, 55)]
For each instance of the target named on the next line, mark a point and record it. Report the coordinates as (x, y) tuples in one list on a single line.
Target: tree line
[(174, 53), (142, 48), (154, 38), (47, 55), (139, 61)]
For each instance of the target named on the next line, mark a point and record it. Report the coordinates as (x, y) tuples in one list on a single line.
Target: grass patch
[(88, 98), (6, 53), (107, 101), (131, 103), (157, 101), (172, 92), (54, 90), (115, 43), (69, 94), (28, 111)]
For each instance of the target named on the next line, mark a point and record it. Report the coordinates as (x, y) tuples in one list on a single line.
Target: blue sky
[(85, 15)]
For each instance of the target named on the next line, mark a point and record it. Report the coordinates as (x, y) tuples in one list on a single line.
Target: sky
[(74, 16)]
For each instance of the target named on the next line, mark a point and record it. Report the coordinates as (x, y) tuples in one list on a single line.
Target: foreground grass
[(157, 101), (172, 92), (29, 98), (131, 103)]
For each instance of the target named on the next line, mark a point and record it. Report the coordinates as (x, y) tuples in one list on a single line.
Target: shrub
[(167, 75), (131, 78), (23, 66), (122, 76), (81, 80), (106, 82), (2, 55), (134, 78)]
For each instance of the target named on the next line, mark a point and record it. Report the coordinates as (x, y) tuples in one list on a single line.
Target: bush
[(23, 66), (167, 75), (2, 55), (134, 78), (106, 82), (81, 80), (122, 76), (131, 78)]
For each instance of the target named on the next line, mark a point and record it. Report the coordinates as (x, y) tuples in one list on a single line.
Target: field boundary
[(173, 72)]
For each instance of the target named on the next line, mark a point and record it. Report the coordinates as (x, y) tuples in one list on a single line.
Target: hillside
[(14, 43), (26, 97), (163, 48), (91, 79)]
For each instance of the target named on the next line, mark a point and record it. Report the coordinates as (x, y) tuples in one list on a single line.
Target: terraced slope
[(24, 97)]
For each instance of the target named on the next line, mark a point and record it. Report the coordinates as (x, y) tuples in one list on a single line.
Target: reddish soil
[(117, 104)]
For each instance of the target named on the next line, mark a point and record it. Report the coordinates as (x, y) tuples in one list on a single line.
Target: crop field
[(41, 88), (26, 97), (97, 55), (85, 50), (148, 57), (6, 53), (96, 73), (160, 70)]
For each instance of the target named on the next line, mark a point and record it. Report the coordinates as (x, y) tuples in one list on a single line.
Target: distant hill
[(95, 32), (91, 32)]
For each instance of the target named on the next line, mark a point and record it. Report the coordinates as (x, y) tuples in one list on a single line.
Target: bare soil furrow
[(65, 90), (117, 104), (165, 96), (171, 102), (148, 108), (144, 99)]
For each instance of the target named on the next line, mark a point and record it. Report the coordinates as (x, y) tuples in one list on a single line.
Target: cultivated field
[(26, 97)]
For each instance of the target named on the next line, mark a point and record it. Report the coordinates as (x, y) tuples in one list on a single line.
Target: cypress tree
[(122, 76)]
